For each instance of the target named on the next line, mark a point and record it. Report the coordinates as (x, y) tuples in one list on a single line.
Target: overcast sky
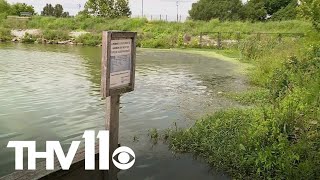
[(151, 7)]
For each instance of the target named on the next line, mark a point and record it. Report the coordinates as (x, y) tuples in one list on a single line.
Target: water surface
[(52, 93)]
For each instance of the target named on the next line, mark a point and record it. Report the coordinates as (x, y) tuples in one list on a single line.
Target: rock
[(186, 38), (62, 42), (15, 39)]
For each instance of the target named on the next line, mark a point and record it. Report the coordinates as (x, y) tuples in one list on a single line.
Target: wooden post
[(112, 124), (258, 36), (200, 40), (238, 37), (166, 17), (160, 17), (115, 81), (219, 40), (280, 37)]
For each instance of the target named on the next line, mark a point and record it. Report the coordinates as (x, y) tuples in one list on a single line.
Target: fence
[(219, 39), (163, 17)]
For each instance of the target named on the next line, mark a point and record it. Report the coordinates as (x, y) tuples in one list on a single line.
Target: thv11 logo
[(123, 157)]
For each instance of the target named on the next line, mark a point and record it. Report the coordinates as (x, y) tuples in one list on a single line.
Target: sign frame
[(107, 37)]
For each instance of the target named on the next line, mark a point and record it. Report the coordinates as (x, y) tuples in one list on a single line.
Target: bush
[(279, 139), (29, 38), (56, 35), (90, 39), (5, 34)]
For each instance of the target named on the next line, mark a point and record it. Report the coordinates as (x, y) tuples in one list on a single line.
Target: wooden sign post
[(118, 77)]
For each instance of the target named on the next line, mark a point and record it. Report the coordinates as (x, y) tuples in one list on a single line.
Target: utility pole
[(142, 7), (177, 10)]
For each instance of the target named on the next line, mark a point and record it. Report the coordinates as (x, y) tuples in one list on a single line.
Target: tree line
[(256, 10), (56, 11), (107, 8), (17, 8), (104, 8)]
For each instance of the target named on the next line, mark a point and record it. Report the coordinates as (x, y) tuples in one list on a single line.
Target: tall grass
[(278, 138), (156, 34)]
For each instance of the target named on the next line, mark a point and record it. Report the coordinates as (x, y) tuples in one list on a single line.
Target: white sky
[(151, 7)]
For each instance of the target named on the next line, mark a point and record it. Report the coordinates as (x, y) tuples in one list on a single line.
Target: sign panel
[(120, 62)]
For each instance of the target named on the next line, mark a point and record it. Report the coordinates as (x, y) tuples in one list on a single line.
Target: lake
[(50, 92)]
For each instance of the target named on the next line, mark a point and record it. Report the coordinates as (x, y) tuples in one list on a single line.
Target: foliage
[(5, 7), (310, 9), (286, 13), (28, 38), (17, 8), (221, 9), (122, 8), (5, 34), (55, 35), (253, 10), (107, 8), (89, 39), (255, 96), (277, 138), (273, 6), (56, 11), (48, 10)]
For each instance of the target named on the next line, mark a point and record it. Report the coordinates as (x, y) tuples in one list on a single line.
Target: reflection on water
[(52, 93)]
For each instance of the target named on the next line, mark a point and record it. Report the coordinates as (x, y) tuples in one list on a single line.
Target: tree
[(255, 10), (310, 9), (65, 14), (17, 8), (286, 13), (5, 7), (221, 9), (103, 8), (58, 10), (48, 10), (107, 8), (273, 6), (122, 8)]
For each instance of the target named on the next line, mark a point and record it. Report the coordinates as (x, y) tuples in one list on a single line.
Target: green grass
[(255, 96), (155, 34), (277, 138), (5, 34)]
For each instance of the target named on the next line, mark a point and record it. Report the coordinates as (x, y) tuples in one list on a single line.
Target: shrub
[(275, 140), (56, 35), (29, 38), (90, 39), (5, 34)]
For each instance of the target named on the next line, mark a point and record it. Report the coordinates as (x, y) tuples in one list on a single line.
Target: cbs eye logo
[(123, 158)]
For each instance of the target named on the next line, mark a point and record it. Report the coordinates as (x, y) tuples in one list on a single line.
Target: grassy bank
[(151, 34), (279, 137)]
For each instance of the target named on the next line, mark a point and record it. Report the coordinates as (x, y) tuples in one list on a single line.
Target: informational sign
[(120, 62)]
